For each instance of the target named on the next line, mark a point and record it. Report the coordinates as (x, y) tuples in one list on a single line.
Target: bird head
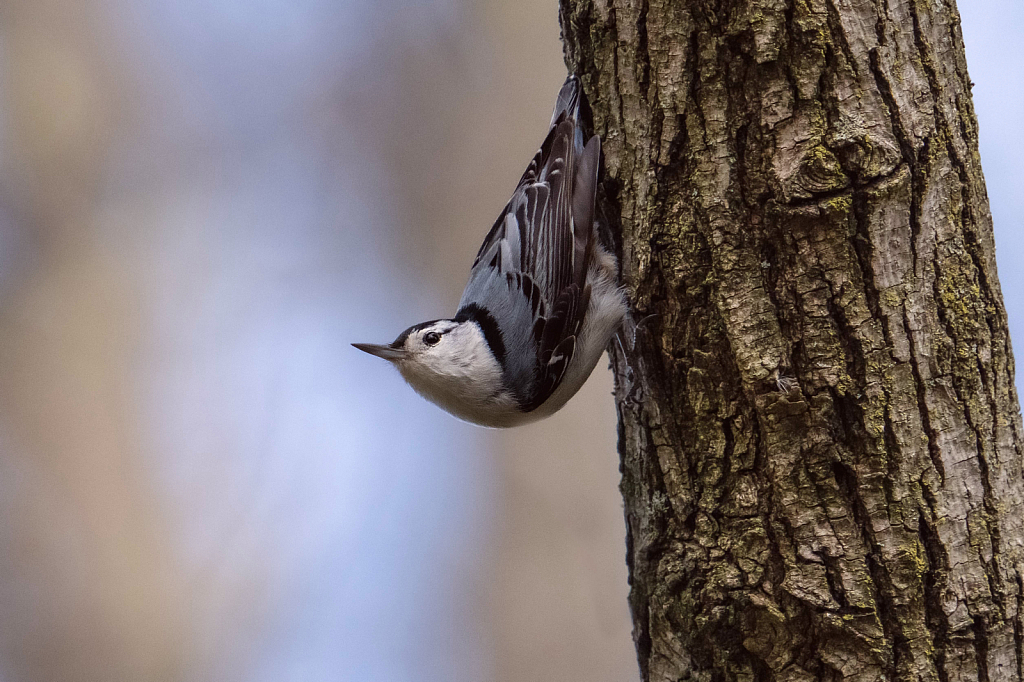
[(448, 362), (422, 345)]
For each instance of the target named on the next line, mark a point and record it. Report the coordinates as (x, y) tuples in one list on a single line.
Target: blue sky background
[(993, 30)]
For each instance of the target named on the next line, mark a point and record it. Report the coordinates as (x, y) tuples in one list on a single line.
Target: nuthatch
[(542, 300)]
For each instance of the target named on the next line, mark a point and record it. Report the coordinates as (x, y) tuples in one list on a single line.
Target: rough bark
[(820, 438)]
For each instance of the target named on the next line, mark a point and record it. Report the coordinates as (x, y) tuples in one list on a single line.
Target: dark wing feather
[(531, 270)]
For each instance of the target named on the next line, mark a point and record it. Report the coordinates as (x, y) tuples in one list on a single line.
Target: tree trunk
[(820, 437)]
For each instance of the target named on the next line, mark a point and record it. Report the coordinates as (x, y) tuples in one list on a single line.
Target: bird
[(543, 298)]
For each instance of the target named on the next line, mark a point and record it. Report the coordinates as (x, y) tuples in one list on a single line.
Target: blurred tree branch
[(820, 436)]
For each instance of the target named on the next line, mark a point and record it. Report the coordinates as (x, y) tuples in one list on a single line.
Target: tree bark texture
[(820, 436)]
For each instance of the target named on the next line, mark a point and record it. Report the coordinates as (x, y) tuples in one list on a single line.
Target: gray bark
[(820, 436)]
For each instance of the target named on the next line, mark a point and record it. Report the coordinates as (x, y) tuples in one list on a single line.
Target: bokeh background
[(202, 202)]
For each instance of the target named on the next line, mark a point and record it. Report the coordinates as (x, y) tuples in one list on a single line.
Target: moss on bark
[(820, 438)]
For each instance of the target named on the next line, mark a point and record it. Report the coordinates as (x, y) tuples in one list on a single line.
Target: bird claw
[(785, 384), (634, 390)]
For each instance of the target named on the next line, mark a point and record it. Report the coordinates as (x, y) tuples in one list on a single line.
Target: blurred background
[(201, 204)]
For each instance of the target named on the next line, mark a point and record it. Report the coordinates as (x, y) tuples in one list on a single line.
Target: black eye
[(431, 338)]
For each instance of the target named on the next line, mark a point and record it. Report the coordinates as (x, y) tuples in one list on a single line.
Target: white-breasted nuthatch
[(542, 300)]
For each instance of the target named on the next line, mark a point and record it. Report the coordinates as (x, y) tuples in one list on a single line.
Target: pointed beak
[(386, 352)]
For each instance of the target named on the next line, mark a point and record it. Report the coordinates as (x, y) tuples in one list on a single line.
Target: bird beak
[(386, 352)]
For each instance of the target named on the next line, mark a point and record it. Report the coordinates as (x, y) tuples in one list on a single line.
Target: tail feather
[(568, 99), (583, 198)]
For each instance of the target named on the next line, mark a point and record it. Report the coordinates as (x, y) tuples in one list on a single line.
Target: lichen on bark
[(820, 438)]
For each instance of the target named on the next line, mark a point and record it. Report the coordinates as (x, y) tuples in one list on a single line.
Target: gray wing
[(531, 271)]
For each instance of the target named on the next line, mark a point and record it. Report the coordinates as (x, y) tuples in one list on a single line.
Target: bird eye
[(431, 338)]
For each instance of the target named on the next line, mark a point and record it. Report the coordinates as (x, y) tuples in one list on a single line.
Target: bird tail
[(568, 99)]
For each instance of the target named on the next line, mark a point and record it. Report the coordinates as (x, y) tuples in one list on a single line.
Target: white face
[(450, 364), (442, 347), (423, 336), (417, 344)]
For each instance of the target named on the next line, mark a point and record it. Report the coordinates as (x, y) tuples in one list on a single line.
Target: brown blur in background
[(202, 203)]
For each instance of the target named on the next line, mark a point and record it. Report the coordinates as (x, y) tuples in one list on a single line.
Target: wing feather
[(531, 270)]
